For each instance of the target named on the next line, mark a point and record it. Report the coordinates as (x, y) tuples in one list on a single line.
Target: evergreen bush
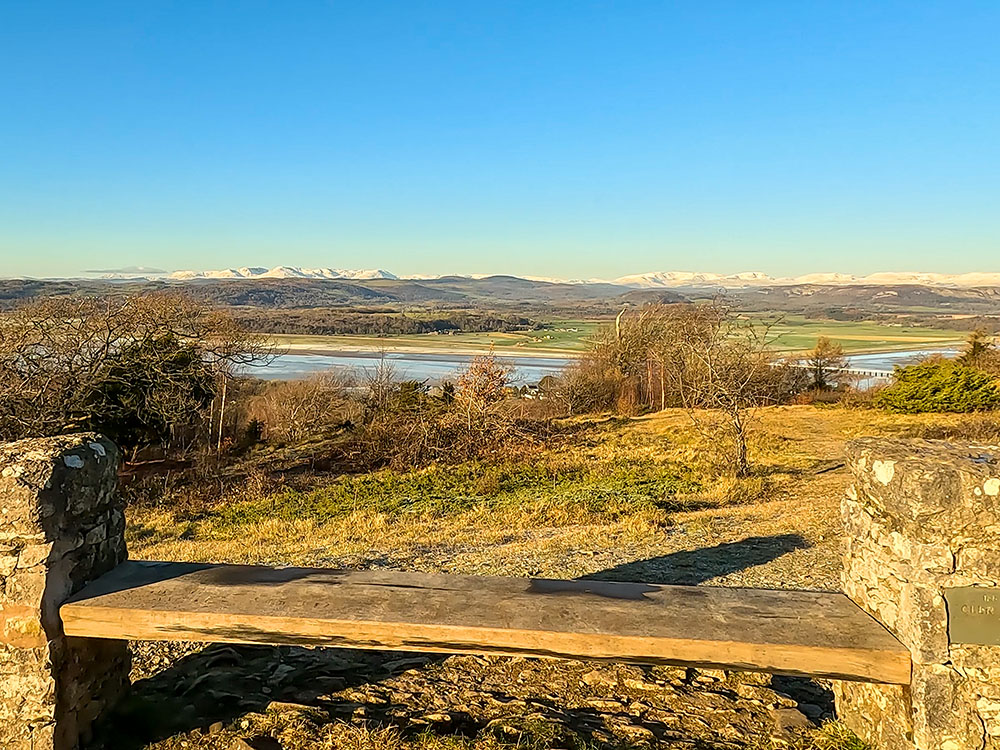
[(940, 386)]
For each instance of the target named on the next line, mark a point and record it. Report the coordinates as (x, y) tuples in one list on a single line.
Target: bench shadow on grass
[(223, 682), (691, 567)]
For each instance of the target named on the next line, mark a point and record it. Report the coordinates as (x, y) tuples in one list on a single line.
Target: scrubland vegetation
[(675, 408), (304, 731), (969, 383), (680, 448)]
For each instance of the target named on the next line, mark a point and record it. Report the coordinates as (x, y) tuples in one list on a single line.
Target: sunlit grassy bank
[(795, 334), (558, 337), (615, 490)]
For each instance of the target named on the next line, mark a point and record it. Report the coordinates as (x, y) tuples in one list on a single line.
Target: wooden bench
[(790, 632)]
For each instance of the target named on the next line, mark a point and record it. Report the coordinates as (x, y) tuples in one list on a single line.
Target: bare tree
[(702, 357), (727, 370), (981, 352), (647, 355), (633, 353), (138, 365)]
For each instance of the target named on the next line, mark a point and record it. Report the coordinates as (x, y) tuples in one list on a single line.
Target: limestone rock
[(920, 519), (61, 526)]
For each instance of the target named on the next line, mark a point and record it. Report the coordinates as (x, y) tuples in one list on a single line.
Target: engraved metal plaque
[(974, 615)]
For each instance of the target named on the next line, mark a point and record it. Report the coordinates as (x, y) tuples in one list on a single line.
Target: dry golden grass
[(569, 528)]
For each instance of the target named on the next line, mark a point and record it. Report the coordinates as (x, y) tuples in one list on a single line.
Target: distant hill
[(649, 280), (282, 272), (815, 298), (508, 291), (519, 295), (516, 289), (756, 279)]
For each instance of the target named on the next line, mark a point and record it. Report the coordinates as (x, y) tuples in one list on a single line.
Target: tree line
[(162, 370), (330, 322)]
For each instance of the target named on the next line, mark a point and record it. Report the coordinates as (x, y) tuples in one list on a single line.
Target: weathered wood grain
[(793, 632)]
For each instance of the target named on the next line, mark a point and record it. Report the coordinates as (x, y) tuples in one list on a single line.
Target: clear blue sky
[(540, 137)]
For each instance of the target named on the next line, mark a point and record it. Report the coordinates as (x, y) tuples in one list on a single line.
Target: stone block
[(61, 526), (981, 563), (923, 517), (879, 714), (929, 490), (922, 623), (945, 714)]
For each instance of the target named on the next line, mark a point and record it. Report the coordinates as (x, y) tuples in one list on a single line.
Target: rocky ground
[(218, 697)]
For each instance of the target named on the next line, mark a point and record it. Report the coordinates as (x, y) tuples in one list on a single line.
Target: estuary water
[(528, 370), (429, 367), (884, 362)]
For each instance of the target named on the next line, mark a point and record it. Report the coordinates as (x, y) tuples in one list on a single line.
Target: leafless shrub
[(380, 385), (406, 426), (291, 410), (480, 390), (590, 384)]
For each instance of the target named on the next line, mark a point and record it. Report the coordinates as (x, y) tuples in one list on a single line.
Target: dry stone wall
[(922, 523), (61, 526)]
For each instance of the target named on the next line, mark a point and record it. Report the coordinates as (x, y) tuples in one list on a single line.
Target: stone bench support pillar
[(922, 522), (61, 526)]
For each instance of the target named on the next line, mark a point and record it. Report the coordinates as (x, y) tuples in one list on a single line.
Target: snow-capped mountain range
[(672, 279), (282, 272), (650, 280)]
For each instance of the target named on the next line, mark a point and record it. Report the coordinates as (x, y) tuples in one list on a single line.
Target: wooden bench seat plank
[(793, 632)]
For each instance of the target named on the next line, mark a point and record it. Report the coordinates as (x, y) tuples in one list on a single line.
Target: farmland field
[(792, 333), (795, 333), (559, 337)]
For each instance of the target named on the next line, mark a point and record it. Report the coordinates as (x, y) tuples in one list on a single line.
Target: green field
[(558, 337), (792, 333), (795, 333)]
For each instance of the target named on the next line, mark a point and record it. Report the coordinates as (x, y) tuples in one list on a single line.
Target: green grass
[(558, 336), (796, 334), (607, 489)]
